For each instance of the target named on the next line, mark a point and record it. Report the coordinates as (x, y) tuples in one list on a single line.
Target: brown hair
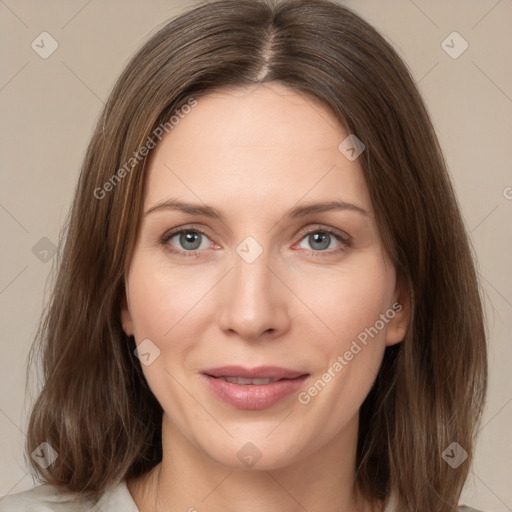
[(95, 408)]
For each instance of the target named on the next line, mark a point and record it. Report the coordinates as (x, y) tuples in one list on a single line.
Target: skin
[(253, 154)]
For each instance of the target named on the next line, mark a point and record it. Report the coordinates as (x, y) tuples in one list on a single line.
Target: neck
[(187, 479)]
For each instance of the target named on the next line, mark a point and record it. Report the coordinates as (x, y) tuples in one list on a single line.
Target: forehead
[(256, 147)]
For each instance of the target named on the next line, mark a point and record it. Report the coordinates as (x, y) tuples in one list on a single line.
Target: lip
[(251, 396), (259, 372)]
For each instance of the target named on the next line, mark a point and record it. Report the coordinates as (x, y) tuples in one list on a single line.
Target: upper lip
[(259, 372)]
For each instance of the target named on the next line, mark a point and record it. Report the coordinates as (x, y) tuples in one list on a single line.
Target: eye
[(187, 241), (321, 239)]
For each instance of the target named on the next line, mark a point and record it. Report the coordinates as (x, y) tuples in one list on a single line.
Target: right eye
[(188, 241)]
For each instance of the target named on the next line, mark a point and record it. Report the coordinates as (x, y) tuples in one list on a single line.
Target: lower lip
[(252, 397)]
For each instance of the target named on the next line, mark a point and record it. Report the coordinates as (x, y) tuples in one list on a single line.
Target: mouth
[(245, 382), (252, 389)]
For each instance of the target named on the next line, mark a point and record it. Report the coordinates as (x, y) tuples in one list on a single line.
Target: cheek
[(348, 300), (163, 302), (162, 297), (350, 304)]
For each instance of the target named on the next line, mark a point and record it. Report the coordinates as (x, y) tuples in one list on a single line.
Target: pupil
[(190, 238), (322, 239)]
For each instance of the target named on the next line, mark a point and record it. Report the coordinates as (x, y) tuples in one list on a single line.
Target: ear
[(399, 314), (126, 317)]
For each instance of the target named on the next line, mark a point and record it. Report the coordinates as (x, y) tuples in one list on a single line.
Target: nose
[(254, 302)]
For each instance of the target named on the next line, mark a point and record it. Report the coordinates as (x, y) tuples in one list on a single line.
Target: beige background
[(49, 107)]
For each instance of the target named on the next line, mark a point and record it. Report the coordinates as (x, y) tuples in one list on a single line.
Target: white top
[(46, 498)]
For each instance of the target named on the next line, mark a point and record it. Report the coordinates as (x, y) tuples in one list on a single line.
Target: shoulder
[(44, 498), (49, 498), (393, 507)]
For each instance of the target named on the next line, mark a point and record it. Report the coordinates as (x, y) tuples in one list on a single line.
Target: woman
[(266, 298)]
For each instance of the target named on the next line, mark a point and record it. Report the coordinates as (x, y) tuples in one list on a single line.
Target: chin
[(250, 453)]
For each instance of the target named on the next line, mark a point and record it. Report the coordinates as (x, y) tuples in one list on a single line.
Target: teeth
[(241, 380)]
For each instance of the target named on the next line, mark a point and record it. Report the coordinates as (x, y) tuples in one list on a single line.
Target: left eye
[(319, 240)]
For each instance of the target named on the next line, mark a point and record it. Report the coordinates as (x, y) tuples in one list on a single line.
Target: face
[(259, 292)]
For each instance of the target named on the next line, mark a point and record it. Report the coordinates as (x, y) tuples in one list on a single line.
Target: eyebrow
[(296, 212)]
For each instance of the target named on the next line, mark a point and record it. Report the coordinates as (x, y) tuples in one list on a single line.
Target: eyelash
[(345, 240)]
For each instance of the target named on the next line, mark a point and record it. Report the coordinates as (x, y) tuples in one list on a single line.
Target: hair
[(94, 406)]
